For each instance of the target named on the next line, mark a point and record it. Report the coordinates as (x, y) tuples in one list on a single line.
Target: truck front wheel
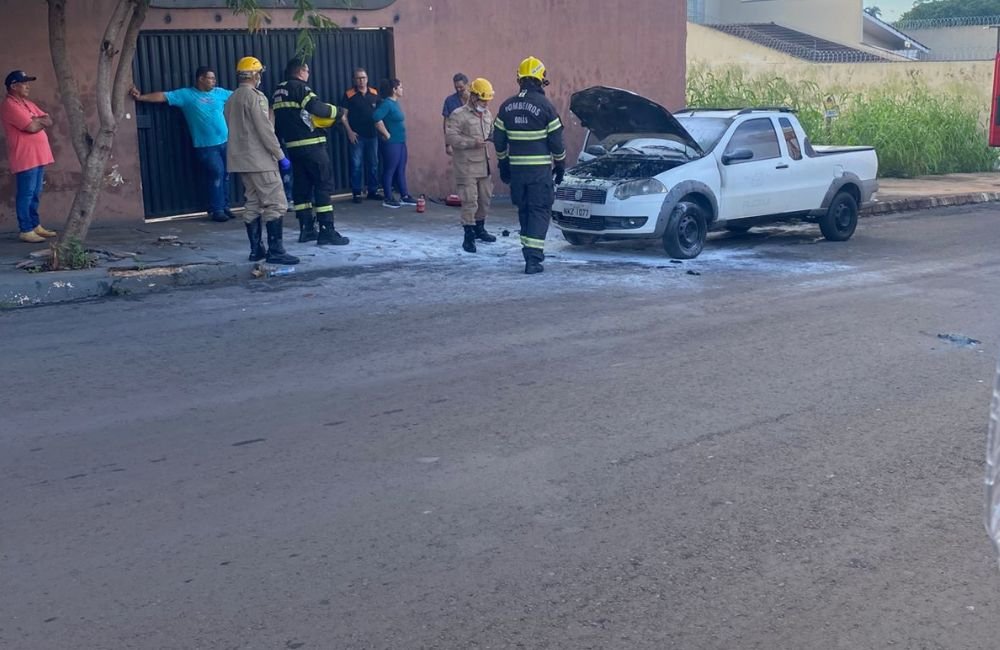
[(686, 231), (841, 219)]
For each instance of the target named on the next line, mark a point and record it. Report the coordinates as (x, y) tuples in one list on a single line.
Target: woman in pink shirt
[(28, 152)]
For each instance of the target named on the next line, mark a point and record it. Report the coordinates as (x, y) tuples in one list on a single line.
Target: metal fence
[(937, 23)]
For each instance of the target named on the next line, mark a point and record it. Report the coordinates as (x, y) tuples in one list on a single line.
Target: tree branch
[(122, 13), (69, 91), (123, 75)]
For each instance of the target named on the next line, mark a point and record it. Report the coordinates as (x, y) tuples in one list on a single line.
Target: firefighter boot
[(469, 243), (481, 233), (328, 236), (257, 250), (307, 228), (532, 260), (275, 248)]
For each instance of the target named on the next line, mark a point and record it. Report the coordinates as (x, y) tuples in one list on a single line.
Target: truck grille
[(595, 222), (587, 194)]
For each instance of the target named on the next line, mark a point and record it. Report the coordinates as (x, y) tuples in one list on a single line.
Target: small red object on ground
[(454, 200)]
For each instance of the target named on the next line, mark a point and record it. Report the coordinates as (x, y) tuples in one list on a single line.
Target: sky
[(891, 9)]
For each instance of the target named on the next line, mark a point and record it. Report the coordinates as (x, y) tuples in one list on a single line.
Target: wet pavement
[(161, 255)]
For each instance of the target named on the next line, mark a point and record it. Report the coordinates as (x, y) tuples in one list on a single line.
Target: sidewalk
[(150, 257)]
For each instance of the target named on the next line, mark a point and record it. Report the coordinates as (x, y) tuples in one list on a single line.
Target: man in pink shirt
[(28, 152)]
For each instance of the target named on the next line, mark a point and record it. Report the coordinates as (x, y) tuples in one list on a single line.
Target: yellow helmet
[(249, 64), (481, 89), (531, 67), (324, 122)]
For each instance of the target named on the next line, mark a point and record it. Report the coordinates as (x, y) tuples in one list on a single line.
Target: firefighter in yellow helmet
[(528, 136), (467, 131), (301, 120), (254, 153)]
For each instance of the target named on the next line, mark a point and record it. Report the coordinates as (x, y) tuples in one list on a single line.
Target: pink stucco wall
[(638, 45)]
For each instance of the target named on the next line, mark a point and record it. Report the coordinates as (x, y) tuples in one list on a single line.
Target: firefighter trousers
[(533, 194), (264, 195), (476, 195), (312, 183)]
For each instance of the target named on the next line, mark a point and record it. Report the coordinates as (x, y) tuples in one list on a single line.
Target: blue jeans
[(364, 158), (394, 168), (29, 192), (213, 163)]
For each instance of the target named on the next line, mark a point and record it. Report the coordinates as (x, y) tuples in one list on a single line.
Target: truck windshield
[(706, 131)]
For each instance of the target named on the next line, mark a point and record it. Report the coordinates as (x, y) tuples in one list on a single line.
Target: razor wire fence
[(938, 23), (822, 52)]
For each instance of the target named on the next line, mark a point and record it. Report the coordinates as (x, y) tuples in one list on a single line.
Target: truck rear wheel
[(841, 219), (686, 231)]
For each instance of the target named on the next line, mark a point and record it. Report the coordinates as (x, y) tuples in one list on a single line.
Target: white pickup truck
[(654, 174)]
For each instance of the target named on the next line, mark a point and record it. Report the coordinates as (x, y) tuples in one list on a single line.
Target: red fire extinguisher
[(421, 203)]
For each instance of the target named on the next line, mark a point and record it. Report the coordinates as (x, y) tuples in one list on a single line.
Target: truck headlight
[(639, 187)]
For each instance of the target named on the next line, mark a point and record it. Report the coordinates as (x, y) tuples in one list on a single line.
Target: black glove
[(505, 171), (557, 173)]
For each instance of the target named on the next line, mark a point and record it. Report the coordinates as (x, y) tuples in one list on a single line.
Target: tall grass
[(915, 130)]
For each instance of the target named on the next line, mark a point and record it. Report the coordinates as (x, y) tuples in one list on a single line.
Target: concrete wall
[(971, 43), (710, 48), (582, 42), (835, 20)]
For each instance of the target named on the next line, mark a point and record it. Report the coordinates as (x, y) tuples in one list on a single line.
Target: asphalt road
[(776, 450)]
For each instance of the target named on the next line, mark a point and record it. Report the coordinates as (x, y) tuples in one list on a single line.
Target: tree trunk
[(89, 190), (113, 80), (69, 91)]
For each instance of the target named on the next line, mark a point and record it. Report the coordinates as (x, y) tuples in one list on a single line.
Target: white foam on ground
[(378, 245)]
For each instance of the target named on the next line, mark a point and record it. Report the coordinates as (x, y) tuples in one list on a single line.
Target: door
[(805, 184), (167, 59), (753, 186)]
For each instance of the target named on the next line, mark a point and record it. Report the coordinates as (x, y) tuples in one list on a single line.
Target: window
[(759, 137), (696, 11), (791, 140)]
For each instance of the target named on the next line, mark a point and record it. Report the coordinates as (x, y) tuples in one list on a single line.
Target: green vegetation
[(72, 255), (935, 9), (915, 130)]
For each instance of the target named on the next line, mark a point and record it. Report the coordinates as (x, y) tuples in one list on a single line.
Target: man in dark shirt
[(358, 103), (453, 102)]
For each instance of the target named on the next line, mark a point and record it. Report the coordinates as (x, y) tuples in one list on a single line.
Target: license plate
[(577, 211)]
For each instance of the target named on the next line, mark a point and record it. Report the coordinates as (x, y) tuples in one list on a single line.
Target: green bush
[(915, 131)]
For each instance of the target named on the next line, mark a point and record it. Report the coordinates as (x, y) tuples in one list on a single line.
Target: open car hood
[(610, 111)]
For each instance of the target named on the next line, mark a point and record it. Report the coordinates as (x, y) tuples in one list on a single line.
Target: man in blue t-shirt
[(202, 107)]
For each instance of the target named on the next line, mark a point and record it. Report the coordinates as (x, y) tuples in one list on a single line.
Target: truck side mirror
[(596, 150), (736, 155)]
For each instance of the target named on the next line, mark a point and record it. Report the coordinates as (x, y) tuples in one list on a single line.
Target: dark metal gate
[(167, 59)]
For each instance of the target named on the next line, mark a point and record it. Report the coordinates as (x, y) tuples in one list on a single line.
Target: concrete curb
[(37, 289), (928, 202), (34, 289)]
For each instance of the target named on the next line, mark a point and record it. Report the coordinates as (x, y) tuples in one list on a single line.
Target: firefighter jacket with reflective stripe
[(293, 102), (528, 132), (252, 147), (467, 131)]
